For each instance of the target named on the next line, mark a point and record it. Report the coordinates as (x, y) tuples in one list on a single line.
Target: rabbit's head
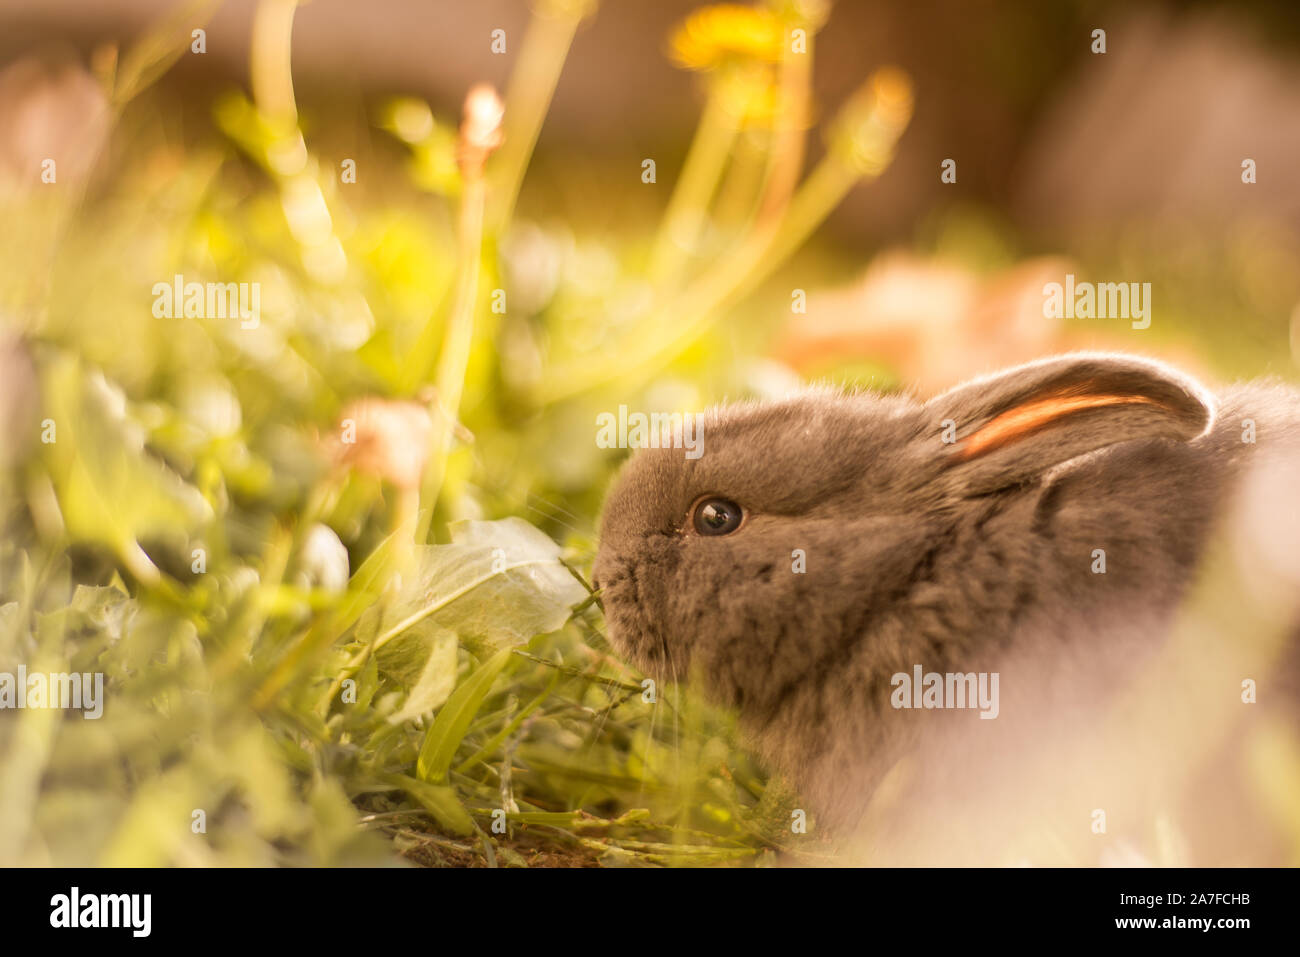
[(811, 528)]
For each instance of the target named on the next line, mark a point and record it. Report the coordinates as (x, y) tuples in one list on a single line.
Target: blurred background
[(669, 204)]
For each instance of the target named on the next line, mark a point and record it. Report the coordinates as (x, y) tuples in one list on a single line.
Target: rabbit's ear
[(1011, 427)]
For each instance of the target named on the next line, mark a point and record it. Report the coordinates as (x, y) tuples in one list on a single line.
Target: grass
[(333, 567), (310, 657)]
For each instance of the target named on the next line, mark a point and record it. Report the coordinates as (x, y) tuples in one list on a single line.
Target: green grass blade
[(453, 720)]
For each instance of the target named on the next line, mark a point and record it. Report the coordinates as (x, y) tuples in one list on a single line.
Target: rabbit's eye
[(717, 516)]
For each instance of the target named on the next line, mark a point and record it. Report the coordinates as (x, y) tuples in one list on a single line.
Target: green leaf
[(439, 800), (499, 581), (425, 662), (449, 727), (110, 489)]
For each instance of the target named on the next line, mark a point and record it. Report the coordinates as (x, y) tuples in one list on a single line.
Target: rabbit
[(1044, 524)]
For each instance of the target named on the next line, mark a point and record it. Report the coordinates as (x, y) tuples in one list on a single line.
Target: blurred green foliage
[(289, 672), (280, 651)]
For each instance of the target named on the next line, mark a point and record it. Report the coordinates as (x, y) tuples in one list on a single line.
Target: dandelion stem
[(705, 161), (863, 142), (480, 134), (453, 360), (701, 304), (532, 84), (270, 68), (786, 158)]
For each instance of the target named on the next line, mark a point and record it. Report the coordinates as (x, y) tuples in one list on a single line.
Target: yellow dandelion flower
[(712, 35), (753, 97)]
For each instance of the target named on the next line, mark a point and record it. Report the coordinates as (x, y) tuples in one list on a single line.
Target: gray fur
[(917, 556)]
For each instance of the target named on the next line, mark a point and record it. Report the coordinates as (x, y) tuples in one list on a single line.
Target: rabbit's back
[(1115, 579)]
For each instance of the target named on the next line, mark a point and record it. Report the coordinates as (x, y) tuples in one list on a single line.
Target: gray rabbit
[(1045, 525)]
